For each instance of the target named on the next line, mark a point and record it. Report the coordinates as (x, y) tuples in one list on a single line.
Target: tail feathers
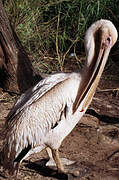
[(11, 168), (11, 162), (8, 164)]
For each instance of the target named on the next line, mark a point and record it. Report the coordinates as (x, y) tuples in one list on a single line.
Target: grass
[(51, 30)]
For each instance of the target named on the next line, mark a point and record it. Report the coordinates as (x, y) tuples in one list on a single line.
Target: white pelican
[(46, 113)]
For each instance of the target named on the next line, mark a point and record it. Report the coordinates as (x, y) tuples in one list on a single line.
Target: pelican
[(46, 113)]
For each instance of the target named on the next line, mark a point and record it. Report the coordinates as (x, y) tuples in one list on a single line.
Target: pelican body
[(46, 113)]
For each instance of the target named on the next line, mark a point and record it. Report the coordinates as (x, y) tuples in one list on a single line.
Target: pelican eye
[(108, 41)]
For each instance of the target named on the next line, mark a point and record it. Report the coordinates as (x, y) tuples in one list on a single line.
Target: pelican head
[(99, 39)]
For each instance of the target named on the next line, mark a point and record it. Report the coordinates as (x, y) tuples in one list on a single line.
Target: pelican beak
[(101, 53), (91, 79)]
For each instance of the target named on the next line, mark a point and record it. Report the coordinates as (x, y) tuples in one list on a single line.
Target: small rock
[(76, 173)]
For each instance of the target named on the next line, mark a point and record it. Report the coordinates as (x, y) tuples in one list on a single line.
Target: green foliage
[(55, 28)]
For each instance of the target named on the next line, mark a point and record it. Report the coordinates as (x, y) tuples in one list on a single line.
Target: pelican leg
[(51, 162), (55, 154), (49, 152)]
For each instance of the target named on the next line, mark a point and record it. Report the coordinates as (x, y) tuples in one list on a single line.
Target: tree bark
[(16, 71)]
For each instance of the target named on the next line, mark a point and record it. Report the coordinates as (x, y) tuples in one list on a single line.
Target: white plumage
[(46, 113)]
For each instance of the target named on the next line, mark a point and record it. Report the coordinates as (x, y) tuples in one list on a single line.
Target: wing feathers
[(36, 92)]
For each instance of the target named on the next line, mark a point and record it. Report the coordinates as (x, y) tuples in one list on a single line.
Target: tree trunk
[(16, 72)]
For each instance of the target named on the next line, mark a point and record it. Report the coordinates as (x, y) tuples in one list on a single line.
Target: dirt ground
[(91, 144)]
